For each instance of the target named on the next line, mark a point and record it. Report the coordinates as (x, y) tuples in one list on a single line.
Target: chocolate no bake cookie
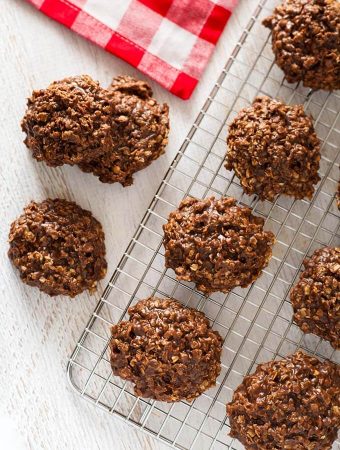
[(293, 404), (216, 244), (316, 297), (306, 41), (111, 133), (139, 128), (273, 149), (167, 350), (69, 122), (58, 247)]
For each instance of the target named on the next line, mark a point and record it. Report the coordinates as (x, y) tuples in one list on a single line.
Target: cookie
[(168, 351), (216, 244), (273, 150), (58, 247), (289, 404), (306, 42), (69, 122)]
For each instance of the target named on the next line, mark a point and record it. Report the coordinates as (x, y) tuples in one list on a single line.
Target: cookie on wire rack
[(168, 351), (58, 247), (292, 404), (316, 296), (274, 150), (216, 243), (306, 41)]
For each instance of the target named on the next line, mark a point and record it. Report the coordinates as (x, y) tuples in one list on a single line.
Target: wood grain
[(38, 333)]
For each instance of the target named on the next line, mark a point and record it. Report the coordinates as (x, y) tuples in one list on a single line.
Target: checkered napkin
[(169, 40)]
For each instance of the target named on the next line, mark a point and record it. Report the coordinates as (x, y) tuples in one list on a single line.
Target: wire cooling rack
[(256, 323)]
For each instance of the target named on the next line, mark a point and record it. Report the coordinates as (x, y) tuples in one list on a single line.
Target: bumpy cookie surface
[(167, 350), (316, 297), (140, 128), (69, 122), (58, 247), (293, 404), (216, 244), (273, 149), (306, 41)]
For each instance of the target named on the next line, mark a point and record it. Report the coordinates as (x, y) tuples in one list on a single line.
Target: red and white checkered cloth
[(169, 40)]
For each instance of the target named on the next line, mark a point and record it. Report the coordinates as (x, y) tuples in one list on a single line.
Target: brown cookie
[(140, 128), (316, 297), (306, 41), (69, 122), (167, 350), (293, 404), (216, 244), (273, 149), (58, 247)]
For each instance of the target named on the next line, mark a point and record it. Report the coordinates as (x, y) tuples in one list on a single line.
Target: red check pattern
[(169, 40)]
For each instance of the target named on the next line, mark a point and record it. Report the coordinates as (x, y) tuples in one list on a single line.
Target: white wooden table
[(38, 409)]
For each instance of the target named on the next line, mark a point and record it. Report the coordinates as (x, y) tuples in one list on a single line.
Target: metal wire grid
[(255, 322)]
